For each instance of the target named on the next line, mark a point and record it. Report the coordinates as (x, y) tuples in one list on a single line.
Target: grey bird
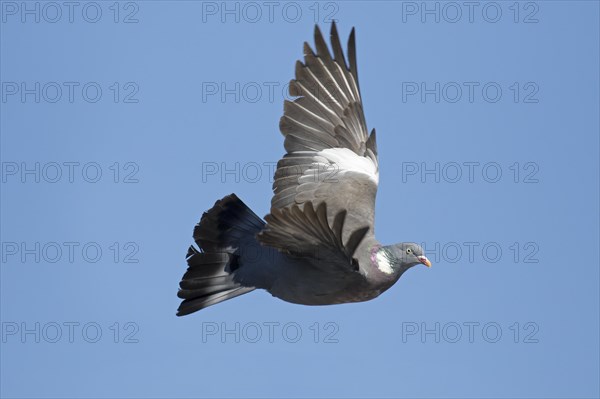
[(317, 245)]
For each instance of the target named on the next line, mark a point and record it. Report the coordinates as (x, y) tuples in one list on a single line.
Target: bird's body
[(309, 281), (317, 246)]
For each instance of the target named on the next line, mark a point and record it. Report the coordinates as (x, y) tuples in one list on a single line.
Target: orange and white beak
[(424, 260)]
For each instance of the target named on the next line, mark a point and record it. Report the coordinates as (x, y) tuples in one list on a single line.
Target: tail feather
[(210, 277), (229, 221), (205, 265), (193, 305), (202, 283)]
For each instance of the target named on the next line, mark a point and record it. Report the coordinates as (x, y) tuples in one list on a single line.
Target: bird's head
[(400, 257)]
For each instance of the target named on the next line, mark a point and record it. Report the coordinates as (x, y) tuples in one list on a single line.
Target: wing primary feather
[(352, 58), (338, 53), (372, 142), (341, 61), (330, 93), (325, 57), (322, 50), (293, 107), (303, 90), (308, 50)]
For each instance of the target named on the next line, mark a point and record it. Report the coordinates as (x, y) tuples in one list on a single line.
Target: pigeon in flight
[(317, 245)]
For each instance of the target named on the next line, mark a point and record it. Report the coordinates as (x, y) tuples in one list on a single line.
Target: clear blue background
[(171, 131)]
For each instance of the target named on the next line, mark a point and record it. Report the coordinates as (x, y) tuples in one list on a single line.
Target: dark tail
[(210, 275)]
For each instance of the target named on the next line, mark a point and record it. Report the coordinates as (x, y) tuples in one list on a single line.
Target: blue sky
[(117, 134)]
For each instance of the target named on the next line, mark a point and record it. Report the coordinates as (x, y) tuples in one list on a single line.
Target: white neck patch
[(383, 262)]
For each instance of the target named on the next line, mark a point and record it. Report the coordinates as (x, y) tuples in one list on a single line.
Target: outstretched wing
[(330, 155)]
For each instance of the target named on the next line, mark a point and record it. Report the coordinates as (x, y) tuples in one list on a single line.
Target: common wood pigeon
[(317, 244)]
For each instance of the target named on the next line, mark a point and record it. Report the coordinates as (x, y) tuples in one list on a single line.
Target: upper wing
[(330, 155)]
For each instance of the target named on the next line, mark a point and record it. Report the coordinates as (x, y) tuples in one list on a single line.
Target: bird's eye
[(409, 251)]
